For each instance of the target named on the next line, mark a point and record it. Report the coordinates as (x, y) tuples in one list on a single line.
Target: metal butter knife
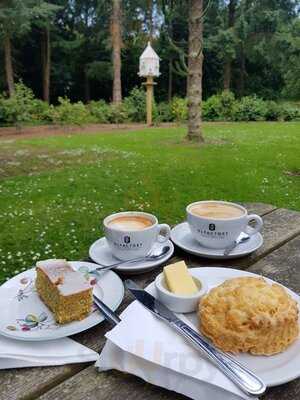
[(246, 380), (109, 314)]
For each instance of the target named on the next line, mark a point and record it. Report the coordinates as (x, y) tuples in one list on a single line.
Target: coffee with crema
[(216, 210), (130, 223)]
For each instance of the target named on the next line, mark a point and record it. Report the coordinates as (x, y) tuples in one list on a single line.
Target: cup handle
[(163, 230), (257, 226)]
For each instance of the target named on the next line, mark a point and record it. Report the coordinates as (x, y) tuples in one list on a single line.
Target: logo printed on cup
[(127, 239), (212, 227)]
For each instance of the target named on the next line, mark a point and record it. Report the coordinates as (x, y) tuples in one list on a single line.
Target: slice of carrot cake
[(66, 292)]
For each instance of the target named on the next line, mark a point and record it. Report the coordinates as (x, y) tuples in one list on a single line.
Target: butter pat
[(178, 279)]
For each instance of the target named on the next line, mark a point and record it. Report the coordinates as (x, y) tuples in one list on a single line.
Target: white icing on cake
[(63, 276)]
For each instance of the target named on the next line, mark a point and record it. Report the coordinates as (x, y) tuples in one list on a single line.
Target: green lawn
[(55, 191)]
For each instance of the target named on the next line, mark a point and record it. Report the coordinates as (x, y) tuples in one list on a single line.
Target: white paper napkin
[(20, 354), (145, 346)]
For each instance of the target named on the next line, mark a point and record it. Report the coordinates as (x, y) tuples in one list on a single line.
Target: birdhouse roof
[(149, 53)]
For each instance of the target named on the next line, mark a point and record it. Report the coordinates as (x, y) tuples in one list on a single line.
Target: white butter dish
[(179, 303)]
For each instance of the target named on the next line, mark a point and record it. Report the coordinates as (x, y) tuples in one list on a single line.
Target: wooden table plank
[(259, 208), (283, 265), (29, 383), (280, 226), (92, 385)]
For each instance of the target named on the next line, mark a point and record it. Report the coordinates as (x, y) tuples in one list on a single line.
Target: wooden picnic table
[(278, 259)]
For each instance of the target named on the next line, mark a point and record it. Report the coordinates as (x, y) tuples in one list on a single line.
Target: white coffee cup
[(216, 232), (132, 234)]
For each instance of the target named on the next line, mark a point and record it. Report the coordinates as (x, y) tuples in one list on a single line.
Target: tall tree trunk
[(46, 63), (228, 62), (150, 19), (9, 72), (243, 73), (170, 80), (116, 54), (227, 75), (195, 63), (87, 89)]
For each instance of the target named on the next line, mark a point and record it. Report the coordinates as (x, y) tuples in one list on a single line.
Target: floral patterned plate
[(25, 317)]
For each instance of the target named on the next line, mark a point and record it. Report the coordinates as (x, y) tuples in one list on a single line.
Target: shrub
[(164, 112), (250, 108), (118, 114), (135, 105), (103, 112), (22, 107), (179, 109), (227, 103), (219, 107), (273, 111), (289, 112), (70, 113), (210, 109), (100, 110)]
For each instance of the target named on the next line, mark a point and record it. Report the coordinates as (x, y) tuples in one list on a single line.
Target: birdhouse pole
[(149, 68), (149, 98)]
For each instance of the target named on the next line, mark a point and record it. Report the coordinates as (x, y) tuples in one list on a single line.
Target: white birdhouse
[(149, 62)]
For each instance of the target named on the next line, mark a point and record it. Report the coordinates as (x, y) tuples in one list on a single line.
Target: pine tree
[(16, 19)]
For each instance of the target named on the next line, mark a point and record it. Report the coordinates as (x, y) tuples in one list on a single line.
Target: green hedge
[(24, 108)]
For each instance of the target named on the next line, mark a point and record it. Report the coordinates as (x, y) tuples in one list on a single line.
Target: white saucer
[(101, 254), (25, 317), (273, 370), (182, 237)]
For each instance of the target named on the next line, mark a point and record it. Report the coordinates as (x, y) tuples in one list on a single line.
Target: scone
[(249, 315)]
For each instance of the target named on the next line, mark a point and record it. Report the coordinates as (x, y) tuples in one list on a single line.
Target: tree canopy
[(249, 46)]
